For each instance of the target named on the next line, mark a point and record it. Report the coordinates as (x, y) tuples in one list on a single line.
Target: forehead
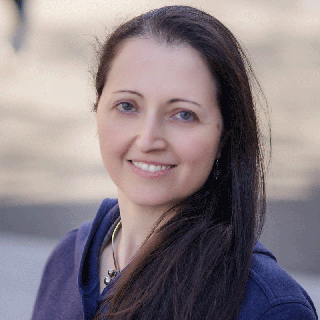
[(147, 61)]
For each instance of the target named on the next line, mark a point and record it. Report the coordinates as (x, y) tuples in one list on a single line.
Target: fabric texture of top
[(70, 283)]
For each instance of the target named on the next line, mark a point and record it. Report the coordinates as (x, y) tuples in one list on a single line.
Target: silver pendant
[(112, 273)]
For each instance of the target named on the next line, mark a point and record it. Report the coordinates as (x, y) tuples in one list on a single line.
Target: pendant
[(112, 273)]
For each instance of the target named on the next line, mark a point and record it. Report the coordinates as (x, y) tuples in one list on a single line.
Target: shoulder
[(58, 295), (59, 279), (271, 293), (69, 250)]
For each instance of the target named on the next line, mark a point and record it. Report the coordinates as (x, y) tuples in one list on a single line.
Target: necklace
[(112, 273)]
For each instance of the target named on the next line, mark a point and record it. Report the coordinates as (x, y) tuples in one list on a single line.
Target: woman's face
[(159, 123)]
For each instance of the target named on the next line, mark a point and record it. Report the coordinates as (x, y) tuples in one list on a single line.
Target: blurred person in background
[(12, 34), (19, 34), (179, 136)]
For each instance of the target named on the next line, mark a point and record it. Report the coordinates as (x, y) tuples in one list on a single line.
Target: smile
[(151, 167)]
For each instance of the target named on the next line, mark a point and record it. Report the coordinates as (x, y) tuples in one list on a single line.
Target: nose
[(151, 136)]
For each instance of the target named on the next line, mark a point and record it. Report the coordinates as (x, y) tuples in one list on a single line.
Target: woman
[(179, 137)]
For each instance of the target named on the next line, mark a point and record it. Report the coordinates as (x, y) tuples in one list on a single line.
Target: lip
[(151, 175)]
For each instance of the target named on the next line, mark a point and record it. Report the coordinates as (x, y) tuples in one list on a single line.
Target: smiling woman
[(179, 137)]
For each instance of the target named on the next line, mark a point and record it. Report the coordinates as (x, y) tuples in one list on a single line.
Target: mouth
[(151, 167)]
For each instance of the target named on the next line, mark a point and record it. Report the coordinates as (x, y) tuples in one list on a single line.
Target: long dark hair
[(196, 266)]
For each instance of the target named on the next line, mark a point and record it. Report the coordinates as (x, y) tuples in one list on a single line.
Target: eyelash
[(119, 106), (192, 114)]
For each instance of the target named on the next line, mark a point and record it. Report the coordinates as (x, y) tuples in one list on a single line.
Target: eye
[(126, 107), (185, 115)]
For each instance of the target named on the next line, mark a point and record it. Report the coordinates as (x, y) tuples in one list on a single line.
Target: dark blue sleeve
[(289, 311)]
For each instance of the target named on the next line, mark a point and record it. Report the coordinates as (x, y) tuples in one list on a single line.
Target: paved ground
[(22, 263)]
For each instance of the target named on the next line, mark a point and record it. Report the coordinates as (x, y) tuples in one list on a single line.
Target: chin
[(155, 203), (153, 200)]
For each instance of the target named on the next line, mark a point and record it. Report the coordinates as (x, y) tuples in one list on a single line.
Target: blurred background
[(51, 175)]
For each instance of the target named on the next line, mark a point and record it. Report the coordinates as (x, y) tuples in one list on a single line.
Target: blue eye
[(185, 115), (126, 107)]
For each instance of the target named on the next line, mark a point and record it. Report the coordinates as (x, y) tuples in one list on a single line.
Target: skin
[(158, 107)]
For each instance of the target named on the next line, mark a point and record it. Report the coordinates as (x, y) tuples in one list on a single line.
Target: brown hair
[(198, 263)]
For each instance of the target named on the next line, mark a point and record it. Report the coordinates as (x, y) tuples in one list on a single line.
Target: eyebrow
[(184, 100), (130, 91), (170, 101)]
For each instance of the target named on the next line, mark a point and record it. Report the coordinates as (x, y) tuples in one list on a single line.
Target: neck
[(137, 224)]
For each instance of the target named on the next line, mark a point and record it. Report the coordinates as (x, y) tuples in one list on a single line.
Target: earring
[(216, 169)]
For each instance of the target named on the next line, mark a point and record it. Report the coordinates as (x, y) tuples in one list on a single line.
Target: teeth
[(144, 166), (150, 167)]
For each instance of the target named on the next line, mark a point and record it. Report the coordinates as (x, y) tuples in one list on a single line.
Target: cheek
[(112, 140), (200, 149)]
